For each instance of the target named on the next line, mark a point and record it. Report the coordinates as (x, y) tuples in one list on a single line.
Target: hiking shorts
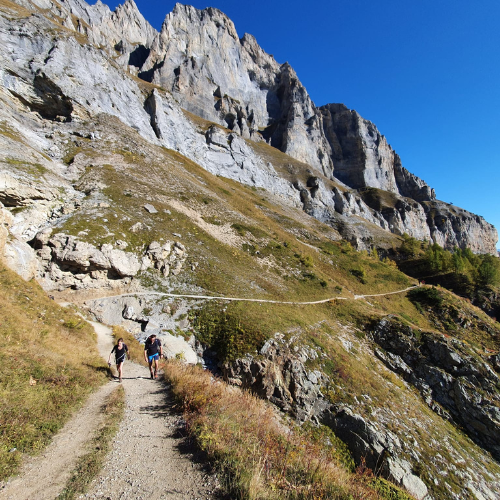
[(154, 357)]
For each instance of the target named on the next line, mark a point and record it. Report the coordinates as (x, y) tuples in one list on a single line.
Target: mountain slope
[(113, 194), (209, 71)]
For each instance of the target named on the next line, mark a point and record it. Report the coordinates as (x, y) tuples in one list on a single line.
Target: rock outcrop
[(279, 375), (452, 379), (68, 262)]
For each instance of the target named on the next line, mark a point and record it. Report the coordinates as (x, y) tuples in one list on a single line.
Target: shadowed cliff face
[(206, 69)]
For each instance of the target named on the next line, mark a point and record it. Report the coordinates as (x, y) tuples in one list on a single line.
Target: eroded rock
[(453, 380)]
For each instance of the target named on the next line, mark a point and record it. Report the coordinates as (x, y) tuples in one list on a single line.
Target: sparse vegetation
[(257, 456), (48, 365)]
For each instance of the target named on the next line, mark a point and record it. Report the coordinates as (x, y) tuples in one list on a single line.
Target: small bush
[(74, 324), (306, 260), (429, 296), (359, 273)]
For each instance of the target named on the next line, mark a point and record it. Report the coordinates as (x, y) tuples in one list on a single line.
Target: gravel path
[(44, 476), (150, 457)]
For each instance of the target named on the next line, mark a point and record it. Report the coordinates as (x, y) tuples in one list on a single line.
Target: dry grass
[(48, 365), (260, 457)]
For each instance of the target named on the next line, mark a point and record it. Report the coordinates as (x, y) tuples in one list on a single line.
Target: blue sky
[(426, 72)]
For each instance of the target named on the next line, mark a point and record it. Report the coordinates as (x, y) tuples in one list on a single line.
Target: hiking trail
[(149, 456)]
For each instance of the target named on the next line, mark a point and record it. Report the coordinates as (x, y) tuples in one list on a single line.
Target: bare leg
[(151, 368), (156, 368), (119, 366)]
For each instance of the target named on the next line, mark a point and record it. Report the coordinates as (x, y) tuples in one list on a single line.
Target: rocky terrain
[(198, 63), (140, 170)]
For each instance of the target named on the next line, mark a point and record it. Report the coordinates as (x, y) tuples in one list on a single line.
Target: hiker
[(153, 351), (120, 350)]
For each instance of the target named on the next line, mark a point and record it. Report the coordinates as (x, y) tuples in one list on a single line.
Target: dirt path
[(268, 301), (150, 458), (43, 477)]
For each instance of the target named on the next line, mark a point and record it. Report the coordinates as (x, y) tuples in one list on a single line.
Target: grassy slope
[(279, 253), (48, 365)]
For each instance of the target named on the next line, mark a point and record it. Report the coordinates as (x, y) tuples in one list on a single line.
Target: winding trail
[(150, 457), (267, 301)]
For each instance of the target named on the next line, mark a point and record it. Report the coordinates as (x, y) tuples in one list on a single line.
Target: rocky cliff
[(135, 164), (211, 72)]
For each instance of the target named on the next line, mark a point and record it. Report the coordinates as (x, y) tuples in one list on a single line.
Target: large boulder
[(21, 258)]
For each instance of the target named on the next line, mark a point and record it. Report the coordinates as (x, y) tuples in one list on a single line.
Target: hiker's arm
[(145, 355), (161, 351)]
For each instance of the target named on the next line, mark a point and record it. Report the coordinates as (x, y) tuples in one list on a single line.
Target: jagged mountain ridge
[(199, 59), (93, 180)]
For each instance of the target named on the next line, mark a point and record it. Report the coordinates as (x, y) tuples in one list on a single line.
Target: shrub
[(359, 273), (429, 296), (225, 330), (410, 246), (306, 260)]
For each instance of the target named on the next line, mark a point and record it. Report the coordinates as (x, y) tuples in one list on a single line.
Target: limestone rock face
[(231, 81), (220, 77), (451, 226), (20, 257), (363, 158), (281, 377), (378, 447), (15, 193), (68, 262), (214, 74)]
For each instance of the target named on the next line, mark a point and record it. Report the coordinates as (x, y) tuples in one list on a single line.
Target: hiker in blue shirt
[(120, 350), (153, 351)]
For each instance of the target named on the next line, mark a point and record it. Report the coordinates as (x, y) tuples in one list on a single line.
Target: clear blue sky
[(426, 72)]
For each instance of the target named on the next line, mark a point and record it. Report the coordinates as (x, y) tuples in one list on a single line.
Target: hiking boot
[(156, 375)]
